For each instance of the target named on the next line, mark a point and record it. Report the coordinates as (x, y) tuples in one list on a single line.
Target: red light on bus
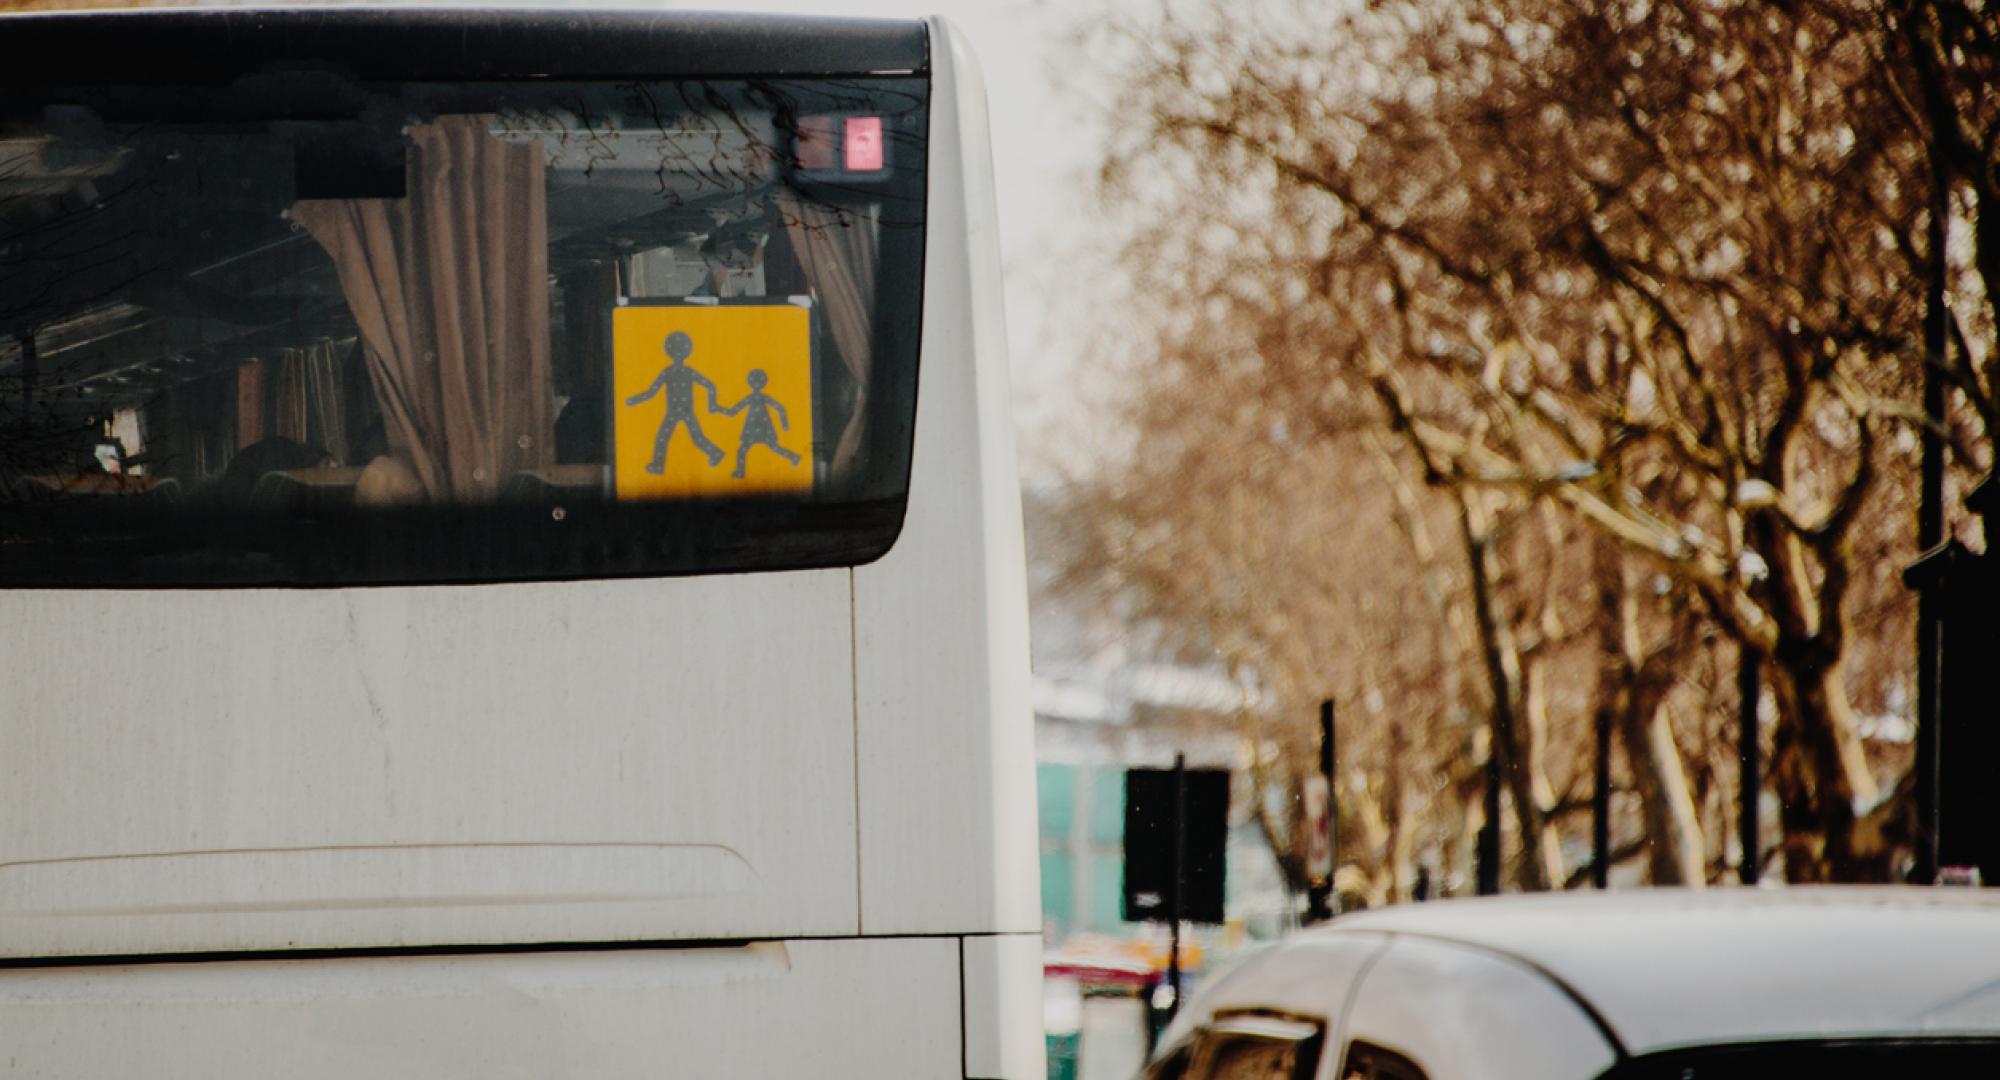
[(864, 144)]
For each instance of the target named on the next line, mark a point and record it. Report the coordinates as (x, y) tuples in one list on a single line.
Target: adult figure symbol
[(677, 382)]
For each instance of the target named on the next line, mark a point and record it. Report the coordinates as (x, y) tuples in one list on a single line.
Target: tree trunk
[(1673, 832), (1820, 773), (1632, 687), (1375, 839), (1543, 846), (1402, 837), (1282, 835), (1541, 864)]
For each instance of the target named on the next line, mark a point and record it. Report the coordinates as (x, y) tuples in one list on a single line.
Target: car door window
[(1256, 1046), (1366, 1061)]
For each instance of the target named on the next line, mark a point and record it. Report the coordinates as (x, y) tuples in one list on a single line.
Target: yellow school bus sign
[(711, 399)]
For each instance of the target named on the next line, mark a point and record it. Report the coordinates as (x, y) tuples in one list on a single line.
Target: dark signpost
[(1322, 819), (1176, 833), (1958, 738)]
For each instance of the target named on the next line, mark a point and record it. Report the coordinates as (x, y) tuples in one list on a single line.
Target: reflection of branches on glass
[(562, 131), (675, 159), (641, 96), (704, 111), (599, 146), (761, 156), (691, 152), (842, 217), (701, 139), (524, 125)]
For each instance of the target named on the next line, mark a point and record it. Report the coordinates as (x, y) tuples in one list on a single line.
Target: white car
[(1666, 984)]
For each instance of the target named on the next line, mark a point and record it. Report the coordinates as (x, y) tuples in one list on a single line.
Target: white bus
[(510, 556)]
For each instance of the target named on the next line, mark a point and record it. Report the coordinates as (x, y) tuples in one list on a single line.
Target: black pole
[(1319, 891), (1930, 533), (1327, 756), (1600, 806), (1489, 831), (1750, 772), (1174, 890)]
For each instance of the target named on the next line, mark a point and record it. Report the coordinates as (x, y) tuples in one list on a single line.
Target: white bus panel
[(742, 792)]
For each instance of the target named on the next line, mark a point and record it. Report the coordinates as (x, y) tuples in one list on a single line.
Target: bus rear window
[(299, 330)]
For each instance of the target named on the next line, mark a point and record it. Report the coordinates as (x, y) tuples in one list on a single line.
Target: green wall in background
[(1107, 806), (1055, 798)]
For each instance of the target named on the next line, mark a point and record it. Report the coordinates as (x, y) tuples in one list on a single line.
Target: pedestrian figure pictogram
[(757, 429), (678, 381), (754, 361)]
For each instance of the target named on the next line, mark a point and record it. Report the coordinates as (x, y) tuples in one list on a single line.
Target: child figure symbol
[(677, 380), (757, 429)]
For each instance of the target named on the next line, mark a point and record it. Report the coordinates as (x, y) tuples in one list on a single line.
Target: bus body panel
[(941, 666), (752, 757), (607, 760), (888, 1007), (1003, 1007)]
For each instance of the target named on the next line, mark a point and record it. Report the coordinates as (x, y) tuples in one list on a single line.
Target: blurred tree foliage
[(1521, 363)]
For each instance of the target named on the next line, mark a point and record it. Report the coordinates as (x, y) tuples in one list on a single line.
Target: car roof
[(1666, 968)]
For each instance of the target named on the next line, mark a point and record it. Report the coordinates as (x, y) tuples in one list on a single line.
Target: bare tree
[(1648, 264)]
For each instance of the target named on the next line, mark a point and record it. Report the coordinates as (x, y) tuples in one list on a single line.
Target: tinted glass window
[(1253, 1046), (1366, 1061), (1254, 1059), (302, 330)]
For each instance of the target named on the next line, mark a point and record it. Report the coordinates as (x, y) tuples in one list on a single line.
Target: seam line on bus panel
[(378, 952), (1597, 1019), (854, 705), (964, 989)]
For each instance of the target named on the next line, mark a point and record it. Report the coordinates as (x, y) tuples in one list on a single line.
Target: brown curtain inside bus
[(836, 249), (294, 394), (449, 287)]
